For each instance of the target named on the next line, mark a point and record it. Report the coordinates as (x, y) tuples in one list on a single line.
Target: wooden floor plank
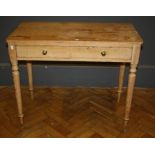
[(77, 112)]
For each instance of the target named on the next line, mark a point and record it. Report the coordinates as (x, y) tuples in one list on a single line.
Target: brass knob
[(44, 52), (103, 53)]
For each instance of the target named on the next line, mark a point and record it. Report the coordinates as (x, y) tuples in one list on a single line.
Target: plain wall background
[(81, 74)]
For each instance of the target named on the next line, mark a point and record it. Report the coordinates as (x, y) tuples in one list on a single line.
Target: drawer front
[(73, 53)]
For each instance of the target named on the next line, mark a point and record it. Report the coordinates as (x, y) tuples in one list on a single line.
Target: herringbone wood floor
[(76, 112)]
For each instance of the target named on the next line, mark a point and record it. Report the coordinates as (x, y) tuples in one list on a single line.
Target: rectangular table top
[(74, 32)]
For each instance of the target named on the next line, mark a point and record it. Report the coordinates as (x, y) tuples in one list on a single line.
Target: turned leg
[(16, 79), (131, 83), (30, 78), (120, 81)]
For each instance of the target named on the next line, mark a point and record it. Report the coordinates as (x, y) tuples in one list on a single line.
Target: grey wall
[(79, 74)]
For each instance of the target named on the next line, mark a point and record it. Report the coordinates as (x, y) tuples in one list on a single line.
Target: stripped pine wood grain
[(72, 41)]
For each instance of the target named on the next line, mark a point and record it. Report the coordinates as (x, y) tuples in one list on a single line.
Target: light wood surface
[(75, 53), (69, 31), (70, 41)]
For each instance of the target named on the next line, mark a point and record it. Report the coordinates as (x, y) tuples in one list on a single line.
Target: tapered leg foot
[(125, 125), (21, 119), (31, 94), (118, 96)]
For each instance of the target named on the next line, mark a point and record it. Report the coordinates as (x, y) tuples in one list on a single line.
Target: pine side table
[(72, 41)]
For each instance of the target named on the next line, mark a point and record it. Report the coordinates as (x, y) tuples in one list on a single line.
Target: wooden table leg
[(30, 78), (131, 83), (16, 79), (120, 81)]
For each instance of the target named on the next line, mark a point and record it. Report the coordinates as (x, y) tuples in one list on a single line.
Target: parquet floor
[(76, 112)]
